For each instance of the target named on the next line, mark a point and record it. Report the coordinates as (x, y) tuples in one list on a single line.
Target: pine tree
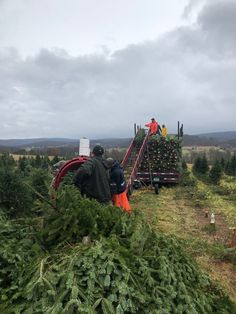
[(215, 173), (233, 165), (23, 162), (197, 165), (37, 162), (230, 167), (54, 160), (39, 181), (204, 165), (6, 160), (200, 165), (184, 165), (14, 196), (222, 162)]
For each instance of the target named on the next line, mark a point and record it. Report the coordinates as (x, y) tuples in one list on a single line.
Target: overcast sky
[(76, 68)]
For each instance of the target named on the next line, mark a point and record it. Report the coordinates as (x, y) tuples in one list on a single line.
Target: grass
[(175, 211)]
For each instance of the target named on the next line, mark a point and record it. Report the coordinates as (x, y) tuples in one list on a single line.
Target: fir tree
[(200, 165), (230, 168), (14, 196), (23, 163), (37, 162), (184, 165), (197, 165), (204, 165), (54, 160), (6, 160), (215, 173), (39, 181), (233, 165)]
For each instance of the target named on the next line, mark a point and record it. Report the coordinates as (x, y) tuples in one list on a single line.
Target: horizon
[(107, 138)]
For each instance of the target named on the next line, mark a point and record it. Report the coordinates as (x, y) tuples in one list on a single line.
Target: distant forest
[(70, 147)]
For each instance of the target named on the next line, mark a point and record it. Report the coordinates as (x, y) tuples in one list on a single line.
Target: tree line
[(214, 173)]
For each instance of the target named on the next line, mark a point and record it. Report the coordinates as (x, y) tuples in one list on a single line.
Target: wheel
[(156, 188), (137, 184)]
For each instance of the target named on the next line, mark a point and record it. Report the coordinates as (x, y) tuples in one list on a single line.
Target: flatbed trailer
[(139, 148)]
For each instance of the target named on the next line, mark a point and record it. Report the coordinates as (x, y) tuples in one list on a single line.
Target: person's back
[(117, 177), (92, 177), (118, 185)]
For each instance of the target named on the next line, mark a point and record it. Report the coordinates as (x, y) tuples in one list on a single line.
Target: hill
[(223, 139), (231, 135)]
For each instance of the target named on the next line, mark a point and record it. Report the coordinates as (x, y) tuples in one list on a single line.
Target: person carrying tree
[(118, 186), (153, 127), (92, 177)]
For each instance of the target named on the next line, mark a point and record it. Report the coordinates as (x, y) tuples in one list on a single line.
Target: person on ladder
[(153, 127)]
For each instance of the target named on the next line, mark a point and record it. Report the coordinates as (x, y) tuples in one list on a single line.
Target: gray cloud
[(188, 74)]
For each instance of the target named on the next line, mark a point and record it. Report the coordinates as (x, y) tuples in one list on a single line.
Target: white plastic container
[(84, 147), (213, 219)]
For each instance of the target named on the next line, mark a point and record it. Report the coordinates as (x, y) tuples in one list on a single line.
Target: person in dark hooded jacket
[(118, 185), (92, 178)]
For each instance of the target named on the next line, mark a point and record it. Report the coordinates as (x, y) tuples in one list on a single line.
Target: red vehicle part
[(70, 165), (132, 160)]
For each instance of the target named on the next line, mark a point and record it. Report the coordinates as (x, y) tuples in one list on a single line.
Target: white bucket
[(84, 149)]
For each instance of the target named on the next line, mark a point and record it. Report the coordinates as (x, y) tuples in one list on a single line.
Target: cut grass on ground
[(173, 212)]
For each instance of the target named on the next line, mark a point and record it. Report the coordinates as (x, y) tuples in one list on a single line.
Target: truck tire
[(156, 188)]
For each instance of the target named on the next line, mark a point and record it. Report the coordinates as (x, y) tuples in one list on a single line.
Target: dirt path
[(172, 212)]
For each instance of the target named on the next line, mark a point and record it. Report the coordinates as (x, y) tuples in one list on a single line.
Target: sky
[(76, 68)]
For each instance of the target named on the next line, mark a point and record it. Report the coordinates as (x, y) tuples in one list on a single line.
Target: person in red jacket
[(153, 126)]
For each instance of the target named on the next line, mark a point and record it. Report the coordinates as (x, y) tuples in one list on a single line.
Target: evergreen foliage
[(54, 160), (126, 268), (162, 154), (6, 161), (216, 172), (76, 217), (38, 180), (184, 165), (230, 167), (200, 165), (15, 198), (23, 164)]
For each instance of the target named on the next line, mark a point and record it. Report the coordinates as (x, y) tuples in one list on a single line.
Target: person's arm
[(148, 125)]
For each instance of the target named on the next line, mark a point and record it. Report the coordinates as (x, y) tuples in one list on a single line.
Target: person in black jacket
[(118, 185), (92, 178)]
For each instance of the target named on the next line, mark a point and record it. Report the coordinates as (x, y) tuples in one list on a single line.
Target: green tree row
[(201, 167)]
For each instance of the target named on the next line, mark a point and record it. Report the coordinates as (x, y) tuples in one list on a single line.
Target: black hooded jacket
[(92, 178), (117, 179)]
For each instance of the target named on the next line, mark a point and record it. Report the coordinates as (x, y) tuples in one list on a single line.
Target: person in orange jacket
[(153, 126)]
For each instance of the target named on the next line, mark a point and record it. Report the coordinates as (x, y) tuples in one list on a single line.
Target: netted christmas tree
[(161, 154)]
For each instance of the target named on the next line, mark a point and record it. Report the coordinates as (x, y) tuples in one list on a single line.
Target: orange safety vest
[(153, 127)]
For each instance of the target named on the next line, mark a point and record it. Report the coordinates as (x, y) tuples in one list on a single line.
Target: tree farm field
[(185, 212)]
